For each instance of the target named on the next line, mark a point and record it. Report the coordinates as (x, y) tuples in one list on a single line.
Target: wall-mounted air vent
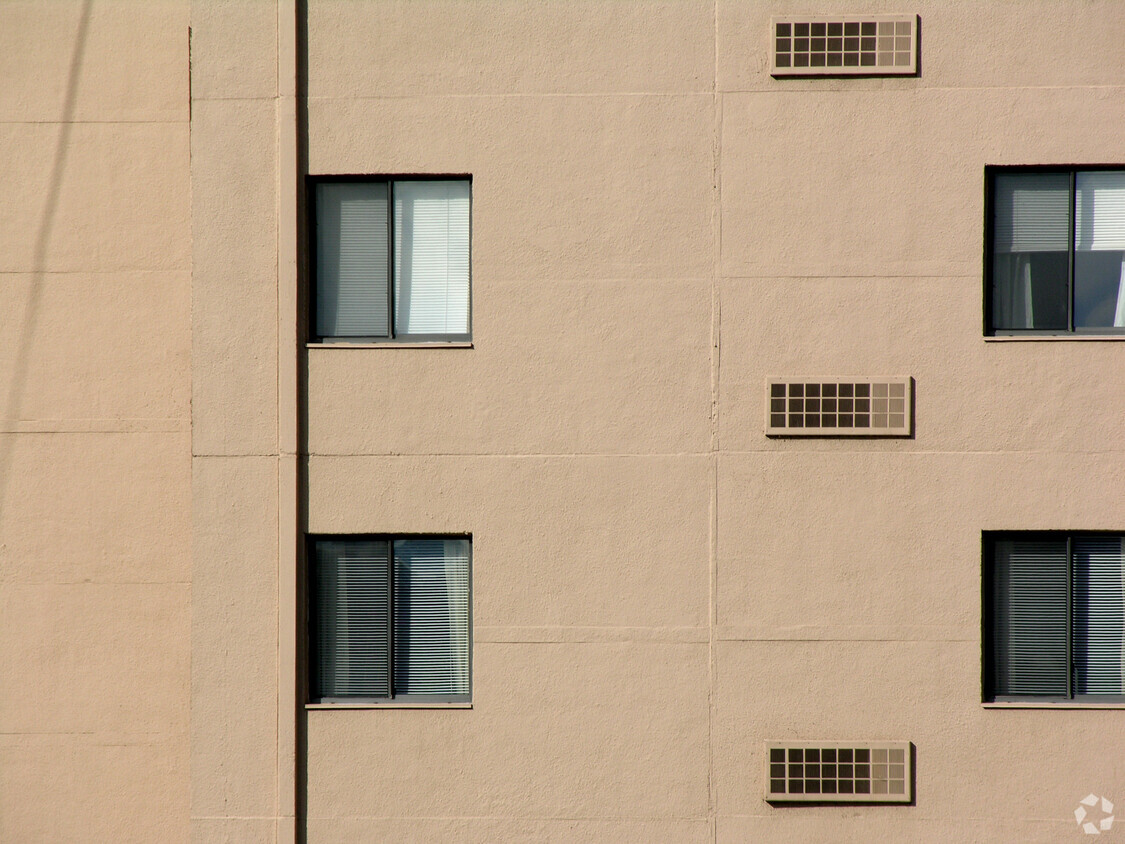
[(852, 407), (839, 772), (873, 45)]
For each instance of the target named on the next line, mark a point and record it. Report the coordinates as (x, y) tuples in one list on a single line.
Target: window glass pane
[(1099, 243), (1029, 615), (431, 616), (1030, 246), (1099, 623), (1030, 290), (1099, 289), (431, 252), (350, 619), (351, 260)]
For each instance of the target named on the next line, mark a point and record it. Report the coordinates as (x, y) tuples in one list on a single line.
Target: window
[(389, 618), (1057, 244), (1053, 616), (391, 259)]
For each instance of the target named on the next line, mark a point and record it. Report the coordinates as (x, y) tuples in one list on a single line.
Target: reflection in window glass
[(1030, 251), (1099, 249)]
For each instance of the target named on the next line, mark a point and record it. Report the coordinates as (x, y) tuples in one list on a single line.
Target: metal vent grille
[(843, 772), (830, 46), (874, 407)]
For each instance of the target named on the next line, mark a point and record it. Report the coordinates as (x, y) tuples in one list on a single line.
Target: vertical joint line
[(716, 361)]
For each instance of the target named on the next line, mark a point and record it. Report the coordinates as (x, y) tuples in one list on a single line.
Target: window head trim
[(393, 337)]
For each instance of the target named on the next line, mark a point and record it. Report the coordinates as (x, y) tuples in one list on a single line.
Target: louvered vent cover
[(839, 772), (875, 45), (853, 407)]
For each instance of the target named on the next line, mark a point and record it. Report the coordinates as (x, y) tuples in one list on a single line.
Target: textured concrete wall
[(658, 589), (234, 174), (95, 343)]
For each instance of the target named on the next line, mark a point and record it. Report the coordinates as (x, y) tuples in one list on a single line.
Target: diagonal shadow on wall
[(13, 404)]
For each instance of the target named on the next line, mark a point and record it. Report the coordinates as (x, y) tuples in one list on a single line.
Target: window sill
[(1012, 704), (1053, 338), (436, 344), (388, 705)]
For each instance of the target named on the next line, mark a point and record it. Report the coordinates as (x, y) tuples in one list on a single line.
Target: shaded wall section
[(94, 421)]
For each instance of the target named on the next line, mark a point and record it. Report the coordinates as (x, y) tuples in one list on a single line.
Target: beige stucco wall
[(95, 544), (658, 589), (235, 448)]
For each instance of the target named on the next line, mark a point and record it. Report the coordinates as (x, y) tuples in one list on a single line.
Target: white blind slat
[(431, 616), (1099, 211), (431, 257), (1032, 212)]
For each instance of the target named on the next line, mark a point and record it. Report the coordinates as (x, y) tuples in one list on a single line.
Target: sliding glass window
[(1057, 251)]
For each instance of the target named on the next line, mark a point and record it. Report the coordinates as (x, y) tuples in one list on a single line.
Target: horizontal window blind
[(1031, 212), (1030, 617), (351, 259), (351, 619), (1099, 211), (431, 616), (1099, 621), (431, 257)]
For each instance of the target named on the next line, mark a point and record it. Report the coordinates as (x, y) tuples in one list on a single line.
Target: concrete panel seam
[(578, 95), (94, 123), (95, 426), (617, 818), (589, 635), (504, 454), (235, 456)]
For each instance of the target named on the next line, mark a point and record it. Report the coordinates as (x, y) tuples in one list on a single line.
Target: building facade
[(407, 420)]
